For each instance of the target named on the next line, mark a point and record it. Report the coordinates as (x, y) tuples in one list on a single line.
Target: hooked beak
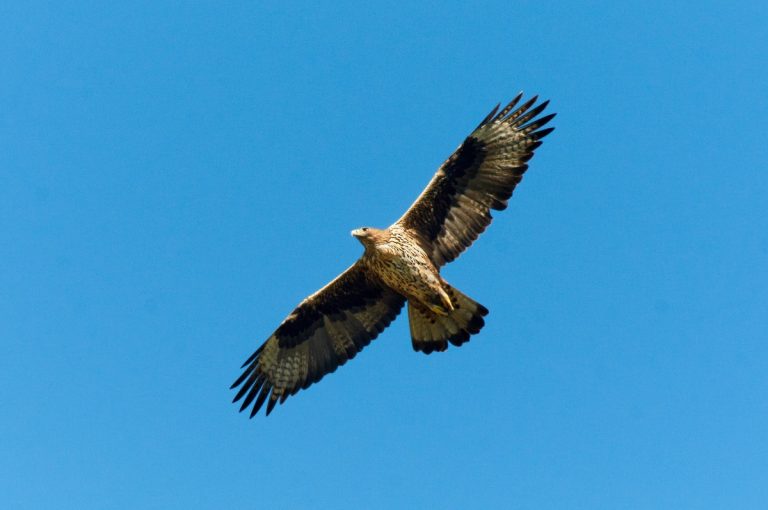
[(357, 233)]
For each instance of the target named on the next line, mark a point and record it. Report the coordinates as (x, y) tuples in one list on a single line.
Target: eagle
[(402, 264)]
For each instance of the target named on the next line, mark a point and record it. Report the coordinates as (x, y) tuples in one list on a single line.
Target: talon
[(446, 301), (437, 309)]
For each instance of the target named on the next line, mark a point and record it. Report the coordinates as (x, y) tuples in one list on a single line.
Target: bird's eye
[(365, 229)]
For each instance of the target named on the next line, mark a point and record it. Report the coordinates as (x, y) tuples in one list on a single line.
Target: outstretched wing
[(455, 207), (323, 332)]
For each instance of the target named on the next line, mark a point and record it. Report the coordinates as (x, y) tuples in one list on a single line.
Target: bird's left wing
[(322, 333), (479, 176)]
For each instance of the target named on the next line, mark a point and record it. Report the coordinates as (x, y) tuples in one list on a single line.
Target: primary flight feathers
[(401, 264)]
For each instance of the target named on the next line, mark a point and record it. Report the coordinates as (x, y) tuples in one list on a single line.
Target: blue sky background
[(176, 176)]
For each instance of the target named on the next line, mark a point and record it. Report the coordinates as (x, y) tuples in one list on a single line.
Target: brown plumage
[(402, 263)]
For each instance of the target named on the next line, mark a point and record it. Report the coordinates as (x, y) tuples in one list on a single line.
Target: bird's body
[(398, 260), (402, 264)]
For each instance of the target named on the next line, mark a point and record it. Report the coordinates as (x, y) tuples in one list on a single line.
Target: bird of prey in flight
[(402, 264)]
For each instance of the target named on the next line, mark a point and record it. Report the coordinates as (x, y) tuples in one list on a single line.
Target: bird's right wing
[(479, 176), (322, 333)]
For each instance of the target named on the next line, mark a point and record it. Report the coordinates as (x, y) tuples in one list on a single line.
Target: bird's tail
[(431, 331)]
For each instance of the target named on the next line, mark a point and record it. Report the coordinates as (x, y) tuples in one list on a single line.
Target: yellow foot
[(446, 300), (437, 309)]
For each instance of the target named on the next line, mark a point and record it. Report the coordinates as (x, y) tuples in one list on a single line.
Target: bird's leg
[(446, 299), (439, 303)]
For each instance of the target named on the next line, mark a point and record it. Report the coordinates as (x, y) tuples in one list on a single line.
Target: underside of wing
[(480, 175), (322, 333)]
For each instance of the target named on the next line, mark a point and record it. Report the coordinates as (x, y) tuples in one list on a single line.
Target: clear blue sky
[(176, 176)]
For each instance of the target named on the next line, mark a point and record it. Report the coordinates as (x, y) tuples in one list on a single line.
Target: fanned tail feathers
[(432, 332)]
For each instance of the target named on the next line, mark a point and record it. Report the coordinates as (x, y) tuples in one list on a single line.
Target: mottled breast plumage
[(405, 267)]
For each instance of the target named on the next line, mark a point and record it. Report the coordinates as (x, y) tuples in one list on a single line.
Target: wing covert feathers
[(321, 334), (455, 208)]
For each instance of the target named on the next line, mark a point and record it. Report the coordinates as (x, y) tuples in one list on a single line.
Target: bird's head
[(370, 236)]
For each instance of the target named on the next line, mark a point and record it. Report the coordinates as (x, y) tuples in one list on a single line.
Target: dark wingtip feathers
[(538, 135), (524, 118), (520, 121), (491, 116), (517, 118), (239, 381), (245, 386), (509, 106), (271, 405), (258, 384), (263, 394)]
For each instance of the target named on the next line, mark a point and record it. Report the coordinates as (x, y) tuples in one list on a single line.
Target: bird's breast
[(408, 271)]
